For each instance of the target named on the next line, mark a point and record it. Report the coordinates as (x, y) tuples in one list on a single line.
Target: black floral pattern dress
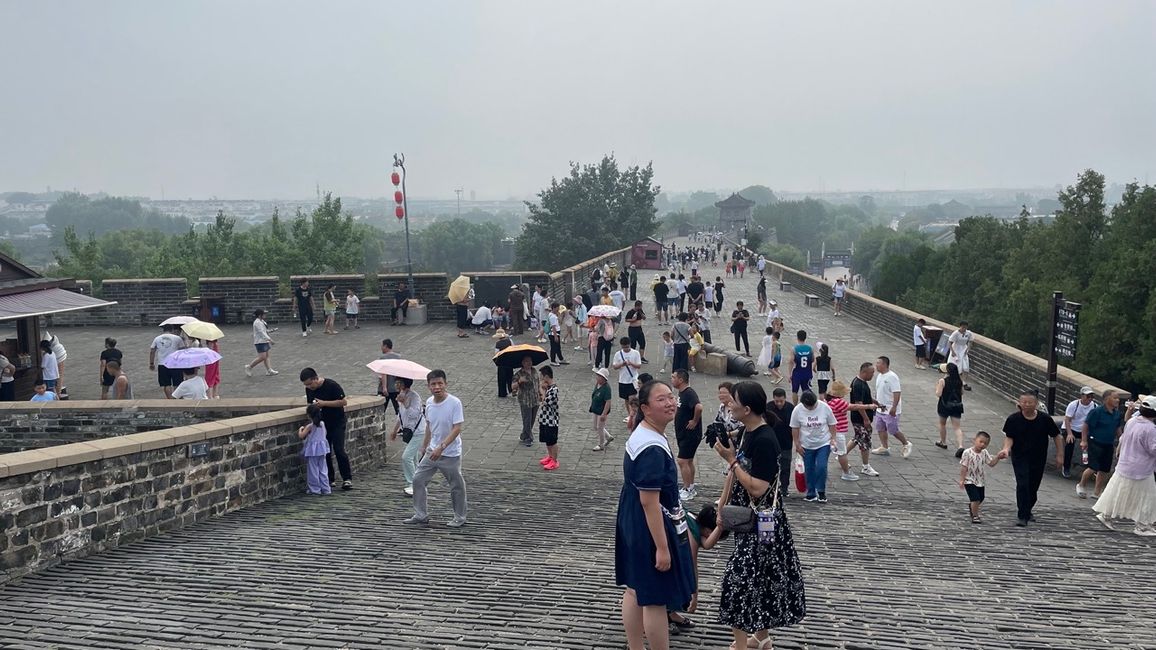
[(763, 584)]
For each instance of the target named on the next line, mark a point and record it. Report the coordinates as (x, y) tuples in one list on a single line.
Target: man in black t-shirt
[(661, 294), (862, 413), (687, 431), (109, 353), (329, 395), (634, 319), (739, 318), (782, 409), (1028, 432), (400, 303), (695, 289), (303, 305)]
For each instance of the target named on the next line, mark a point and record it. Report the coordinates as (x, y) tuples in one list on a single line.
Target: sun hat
[(602, 372), (499, 334), (837, 389)]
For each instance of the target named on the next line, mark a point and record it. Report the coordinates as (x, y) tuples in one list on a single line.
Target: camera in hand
[(717, 432)]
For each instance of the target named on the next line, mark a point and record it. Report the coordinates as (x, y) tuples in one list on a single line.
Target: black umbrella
[(512, 356)]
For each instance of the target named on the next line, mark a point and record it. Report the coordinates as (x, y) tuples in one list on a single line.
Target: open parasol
[(512, 356), (398, 368), (459, 289), (199, 329), (191, 358), (604, 311), (178, 320)]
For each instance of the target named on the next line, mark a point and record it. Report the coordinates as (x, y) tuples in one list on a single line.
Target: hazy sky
[(266, 98)]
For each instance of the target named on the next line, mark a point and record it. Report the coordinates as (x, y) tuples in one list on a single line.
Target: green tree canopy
[(595, 209), (108, 214), (459, 245)]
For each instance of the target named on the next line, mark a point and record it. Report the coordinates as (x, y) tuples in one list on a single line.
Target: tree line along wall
[(74, 500), (146, 302), (1000, 366)]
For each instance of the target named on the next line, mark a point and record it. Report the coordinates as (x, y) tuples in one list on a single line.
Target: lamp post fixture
[(401, 210)]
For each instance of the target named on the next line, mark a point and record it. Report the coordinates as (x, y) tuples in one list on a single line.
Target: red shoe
[(552, 465), (544, 461)]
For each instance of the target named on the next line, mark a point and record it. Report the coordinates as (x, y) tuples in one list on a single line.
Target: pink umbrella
[(398, 368), (191, 358)]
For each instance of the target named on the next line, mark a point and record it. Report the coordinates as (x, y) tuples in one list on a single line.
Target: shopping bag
[(800, 476)]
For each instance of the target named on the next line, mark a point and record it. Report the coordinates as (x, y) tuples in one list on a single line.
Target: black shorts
[(169, 376), (626, 390), (637, 338), (1100, 456), (106, 379), (974, 493), (463, 317), (547, 435), (688, 442), (921, 351)]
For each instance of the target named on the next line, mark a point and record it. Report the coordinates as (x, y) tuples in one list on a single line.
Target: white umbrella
[(398, 368), (604, 311), (178, 320), (191, 358)]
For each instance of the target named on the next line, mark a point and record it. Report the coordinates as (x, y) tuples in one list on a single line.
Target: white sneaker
[(868, 471), (693, 492), (408, 490), (1145, 530), (907, 449), (577, 347), (1081, 491), (881, 451), (272, 372), (848, 476), (684, 494), (626, 419), (248, 371), (456, 523), (304, 334)]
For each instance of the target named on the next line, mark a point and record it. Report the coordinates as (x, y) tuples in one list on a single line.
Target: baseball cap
[(1148, 402), (1087, 390)]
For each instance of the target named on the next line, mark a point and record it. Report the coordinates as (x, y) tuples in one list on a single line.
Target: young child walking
[(973, 471), (352, 309), (667, 352), (315, 449), (837, 400), (767, 354), (600, 400), (548, 419), (776, 357)]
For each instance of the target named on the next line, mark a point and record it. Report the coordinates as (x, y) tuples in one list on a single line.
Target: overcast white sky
[(263, 98)]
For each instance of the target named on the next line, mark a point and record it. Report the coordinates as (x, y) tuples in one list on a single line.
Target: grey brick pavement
[(891, 562)]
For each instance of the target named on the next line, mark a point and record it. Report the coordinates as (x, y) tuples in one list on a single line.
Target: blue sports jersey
[(804, 359)]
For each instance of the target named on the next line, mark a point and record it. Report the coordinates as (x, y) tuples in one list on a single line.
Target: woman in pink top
[(837, 401), (213, 372), (1131, 492)]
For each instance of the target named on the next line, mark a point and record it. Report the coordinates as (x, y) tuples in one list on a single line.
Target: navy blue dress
[(648, 465)]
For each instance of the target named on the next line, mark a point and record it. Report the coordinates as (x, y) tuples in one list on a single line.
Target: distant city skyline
[(266, 98)]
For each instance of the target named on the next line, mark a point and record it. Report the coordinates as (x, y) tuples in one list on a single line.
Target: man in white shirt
[(888, 399), (960, 342), (680, 286), (617, 297), (626, 361), (773, 313), (702, 319), (162, 346), (838, 293), (193, 386), (919, 340), (483, 318), (442, 451), (1074, 416), (761, 265)]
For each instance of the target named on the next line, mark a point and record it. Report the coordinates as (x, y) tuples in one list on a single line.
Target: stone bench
[(811, 300), (785, 287)]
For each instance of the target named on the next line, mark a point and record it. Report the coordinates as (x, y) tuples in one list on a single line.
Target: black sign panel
[(1067, 328)]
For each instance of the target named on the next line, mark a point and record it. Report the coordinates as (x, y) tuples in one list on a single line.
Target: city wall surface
[(77, 499)]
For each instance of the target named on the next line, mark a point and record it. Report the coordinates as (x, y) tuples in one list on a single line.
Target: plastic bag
[(800, 476)]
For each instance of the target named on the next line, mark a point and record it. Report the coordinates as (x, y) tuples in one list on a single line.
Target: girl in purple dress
[(314, 450)]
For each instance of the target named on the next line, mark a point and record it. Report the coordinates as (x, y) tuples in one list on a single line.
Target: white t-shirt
[(814, 425), (352, 304), (626, 373), (165, 344), (1078, 412), (839, 289), (618, 298), (192, 388), (959, 341), (553, 325), (681, 285), (976, 464), (886, 384), (917, 336), (672, 285), (481, 315), (708, 293), (49, 367), (441, 418), (772, 315)]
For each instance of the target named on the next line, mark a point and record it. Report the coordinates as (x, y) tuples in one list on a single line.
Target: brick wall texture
[(80, 499)]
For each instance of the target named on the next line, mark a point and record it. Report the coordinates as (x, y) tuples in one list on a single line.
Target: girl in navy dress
[(652, 557), (315, 449)]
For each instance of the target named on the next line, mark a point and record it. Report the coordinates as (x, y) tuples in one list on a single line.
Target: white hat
[(603, 373), (1087, 390), (1148, 402), (513, 286)]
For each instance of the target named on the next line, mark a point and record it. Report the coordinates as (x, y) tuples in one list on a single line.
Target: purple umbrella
[(191, 358)]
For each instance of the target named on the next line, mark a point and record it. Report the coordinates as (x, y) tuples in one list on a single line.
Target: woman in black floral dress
[(763, 584)]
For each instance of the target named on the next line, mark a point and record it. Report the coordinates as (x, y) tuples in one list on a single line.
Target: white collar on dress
[(642, 439)]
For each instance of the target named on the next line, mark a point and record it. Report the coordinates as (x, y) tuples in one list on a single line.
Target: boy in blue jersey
[(800, 365)]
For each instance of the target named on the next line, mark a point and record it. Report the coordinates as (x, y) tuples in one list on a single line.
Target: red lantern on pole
[(397, 197), (400, 212), (396, 178)]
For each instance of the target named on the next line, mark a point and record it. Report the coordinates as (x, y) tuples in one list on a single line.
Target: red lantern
[(396, 178), (400, 212), (397, 197)]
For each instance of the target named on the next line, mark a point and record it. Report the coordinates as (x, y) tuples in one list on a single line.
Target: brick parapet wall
[(37, 425), (75, 500), (144, 302), (429, 288), (239, 297), (998, 365)]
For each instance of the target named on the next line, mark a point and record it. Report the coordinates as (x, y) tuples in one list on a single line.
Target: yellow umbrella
[(202, 330), (459, 289)]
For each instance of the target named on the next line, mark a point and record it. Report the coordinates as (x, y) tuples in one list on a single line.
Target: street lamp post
[(399, 162)]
